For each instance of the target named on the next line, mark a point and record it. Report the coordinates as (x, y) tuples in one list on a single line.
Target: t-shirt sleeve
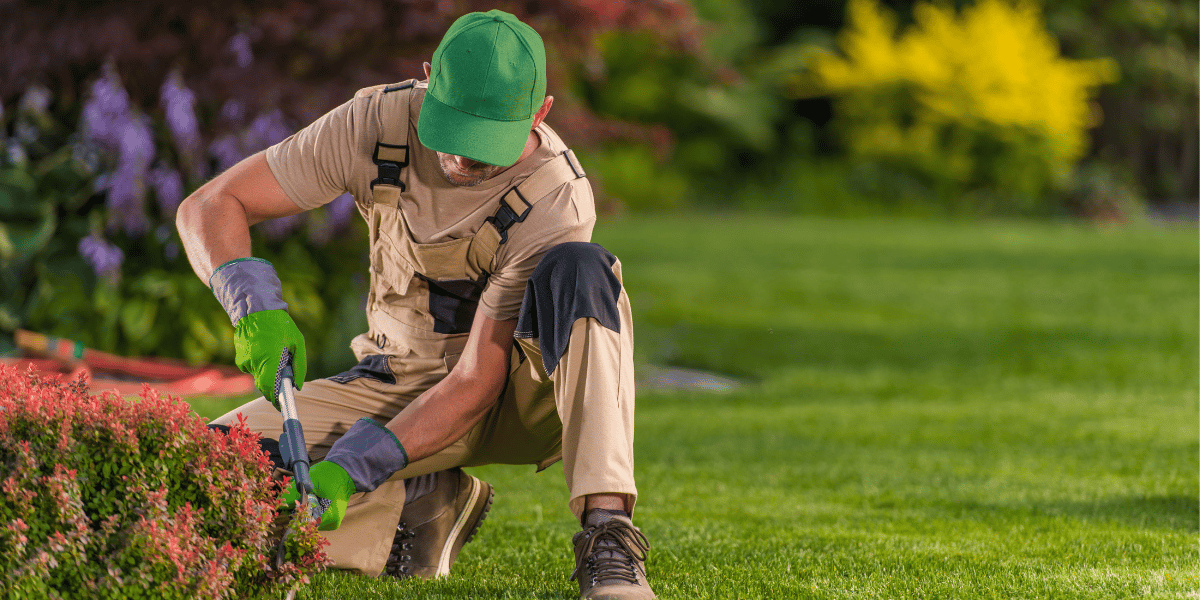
[(570, 218), (317, 163)]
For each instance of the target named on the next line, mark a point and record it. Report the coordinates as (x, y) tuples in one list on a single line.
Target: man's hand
[(330, 482), (259, 340), (249, 290)]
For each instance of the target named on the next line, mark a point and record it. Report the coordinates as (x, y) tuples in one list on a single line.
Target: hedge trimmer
[(293, 449)]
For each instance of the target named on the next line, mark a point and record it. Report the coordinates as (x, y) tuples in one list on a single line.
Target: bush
[(976, 109), (101, 497)]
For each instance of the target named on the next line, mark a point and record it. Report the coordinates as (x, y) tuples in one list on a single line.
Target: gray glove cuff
[(370, 454), (246, 285)]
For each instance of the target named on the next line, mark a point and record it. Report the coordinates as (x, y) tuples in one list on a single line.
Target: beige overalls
[(582, 413)]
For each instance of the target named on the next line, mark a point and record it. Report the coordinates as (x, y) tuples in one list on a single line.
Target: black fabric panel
[(453, 303), (573, 280), (374, 367), (268, 445)]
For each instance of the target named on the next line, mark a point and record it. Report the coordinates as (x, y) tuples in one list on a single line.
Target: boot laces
[(396, 563), (611, 552)]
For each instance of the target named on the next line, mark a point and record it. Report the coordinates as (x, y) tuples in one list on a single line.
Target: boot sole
[(448, 553)]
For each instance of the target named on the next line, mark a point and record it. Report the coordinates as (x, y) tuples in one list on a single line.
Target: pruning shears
[(292, 447)]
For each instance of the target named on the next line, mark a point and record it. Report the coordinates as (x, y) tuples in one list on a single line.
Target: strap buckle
[(506, 216), (390, 159)]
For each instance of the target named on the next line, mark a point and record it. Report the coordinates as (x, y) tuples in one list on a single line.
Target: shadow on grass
[(1065, 354), (1170, 512), (1159, 512)]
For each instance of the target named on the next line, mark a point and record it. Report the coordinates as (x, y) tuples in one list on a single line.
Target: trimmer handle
[(291, 443)]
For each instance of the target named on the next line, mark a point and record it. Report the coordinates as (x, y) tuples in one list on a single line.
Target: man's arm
[(214, 221), (214, 225), (448, 410)]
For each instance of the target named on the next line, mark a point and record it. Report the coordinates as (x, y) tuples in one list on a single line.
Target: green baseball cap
[(486, 81)]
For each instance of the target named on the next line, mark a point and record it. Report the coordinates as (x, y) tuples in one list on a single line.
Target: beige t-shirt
[(333, 156)]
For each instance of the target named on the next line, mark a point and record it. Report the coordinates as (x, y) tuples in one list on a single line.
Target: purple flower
[(136, 144), (85, 154), (164, 233), (102, 182), (106, 111), (15, 153), (104, 258), (227, 151), (110, 122), (266, 130), (341, 212), (36, 100), (127, 185), (283, 226), (26, 131), (239, 45), (126, 193), (233, 111), (335, 218), (167, 184), (179, 102)]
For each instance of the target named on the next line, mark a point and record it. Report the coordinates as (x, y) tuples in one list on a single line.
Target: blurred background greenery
[(112, 113)]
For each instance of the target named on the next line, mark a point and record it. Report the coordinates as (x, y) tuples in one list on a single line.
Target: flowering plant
[(101, 497), (972, 105), (88, 245), (103, 138)]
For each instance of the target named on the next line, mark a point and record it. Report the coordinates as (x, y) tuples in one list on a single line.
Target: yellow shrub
[(979, 97)]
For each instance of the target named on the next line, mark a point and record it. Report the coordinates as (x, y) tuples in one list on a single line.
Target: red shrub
[(101, 497)]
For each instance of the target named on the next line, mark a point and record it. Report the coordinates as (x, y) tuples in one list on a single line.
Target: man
[(479, 221)]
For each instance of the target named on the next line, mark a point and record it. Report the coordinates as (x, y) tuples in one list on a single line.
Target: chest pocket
[(437, 286)]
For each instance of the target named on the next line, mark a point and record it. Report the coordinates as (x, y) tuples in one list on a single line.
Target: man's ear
[(540, 115), (426, 65)]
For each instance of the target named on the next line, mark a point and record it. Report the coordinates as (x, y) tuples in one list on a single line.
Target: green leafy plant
[(101, 497)]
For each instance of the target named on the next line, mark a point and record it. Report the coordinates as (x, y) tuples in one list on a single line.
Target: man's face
[(464, 172)]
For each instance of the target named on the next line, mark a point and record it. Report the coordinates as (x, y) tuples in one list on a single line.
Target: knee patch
[(574, 280)]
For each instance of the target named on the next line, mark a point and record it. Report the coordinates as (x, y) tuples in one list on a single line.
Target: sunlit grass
[(935, 411)]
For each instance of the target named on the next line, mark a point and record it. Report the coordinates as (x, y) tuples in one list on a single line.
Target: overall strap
[(515, 205), (391, 151)]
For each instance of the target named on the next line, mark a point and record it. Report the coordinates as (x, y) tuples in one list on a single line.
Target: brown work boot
[(610, 555), (442, 512)]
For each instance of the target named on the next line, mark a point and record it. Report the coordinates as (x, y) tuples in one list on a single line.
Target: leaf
[(157, 284), (137, 318), (27, 239), (18, 179), (200, 333), (8, 250), (193, 352), (304, 303), (17, 194)]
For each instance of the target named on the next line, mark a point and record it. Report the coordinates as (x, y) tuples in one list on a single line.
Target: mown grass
[(997, 410)]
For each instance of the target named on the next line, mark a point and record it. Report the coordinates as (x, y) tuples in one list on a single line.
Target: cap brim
[(451, 131)]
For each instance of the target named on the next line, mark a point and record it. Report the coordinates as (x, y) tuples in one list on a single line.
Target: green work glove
[(259, 339), (250, 292), (330, 482)]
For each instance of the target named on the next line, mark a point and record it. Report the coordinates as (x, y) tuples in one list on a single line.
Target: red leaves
[(102, 493)]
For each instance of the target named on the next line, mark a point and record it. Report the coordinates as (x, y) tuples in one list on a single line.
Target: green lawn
[(1001, 410)]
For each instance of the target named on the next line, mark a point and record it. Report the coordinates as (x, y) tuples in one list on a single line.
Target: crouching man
[(479, 220)]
